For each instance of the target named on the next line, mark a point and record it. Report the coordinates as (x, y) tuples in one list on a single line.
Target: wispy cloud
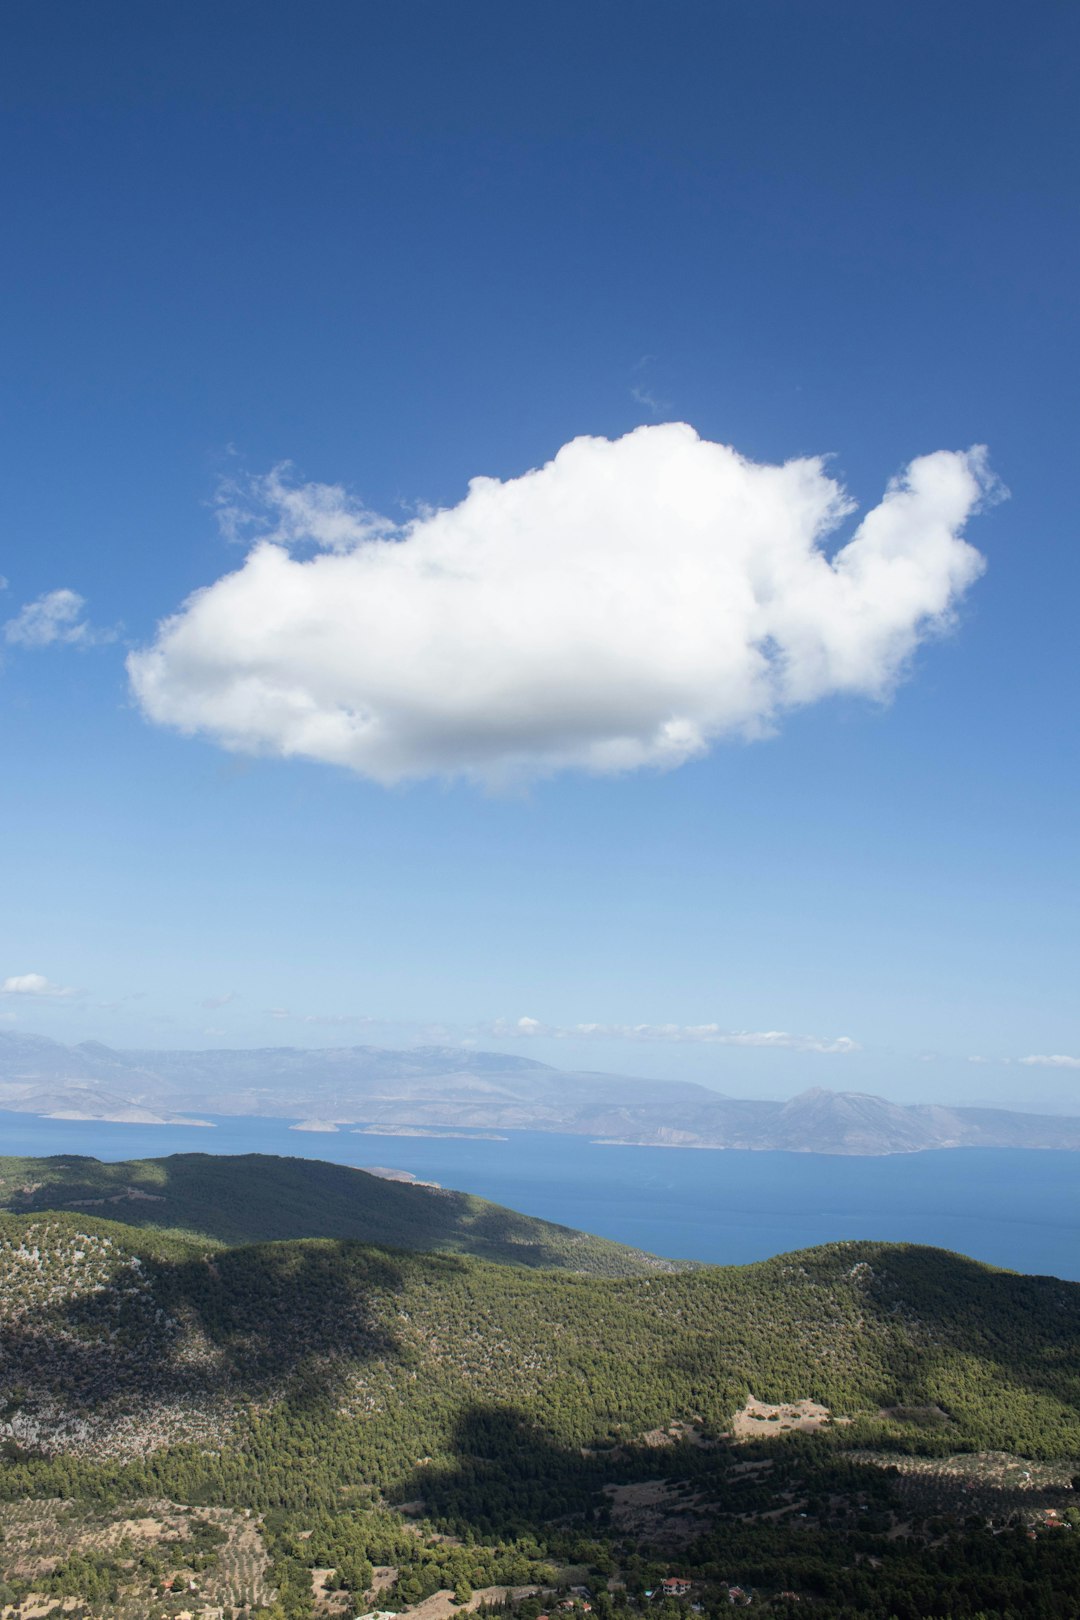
[(33, 984), (709, 1034), (1056, 1060), (644, 396), (54, 619), (628, 605), (345, 1020), (275, 509), (353, 1020), (213, 1002)]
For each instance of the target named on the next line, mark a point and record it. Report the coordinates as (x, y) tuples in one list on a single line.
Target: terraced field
[(148, 1558)]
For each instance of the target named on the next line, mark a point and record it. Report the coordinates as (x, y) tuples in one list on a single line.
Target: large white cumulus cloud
[(625, 605)]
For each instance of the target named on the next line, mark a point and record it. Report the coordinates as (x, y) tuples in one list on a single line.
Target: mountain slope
[(257, 1198), (532, 1418), (141, 1335)]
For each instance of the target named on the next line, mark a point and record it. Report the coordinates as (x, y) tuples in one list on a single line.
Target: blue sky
[(405, 246)]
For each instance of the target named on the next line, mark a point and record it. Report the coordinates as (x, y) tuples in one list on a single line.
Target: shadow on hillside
[(243, 1322), (1026, 1328), (255, 1198), (910, 1326), (506, 1477), (492, 1232), (509, 1478), (234, 1198)]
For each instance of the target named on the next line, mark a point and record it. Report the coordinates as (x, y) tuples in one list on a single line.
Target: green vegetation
[(462, 1424), (254, 1197), (534, 1418), (150, 1557)]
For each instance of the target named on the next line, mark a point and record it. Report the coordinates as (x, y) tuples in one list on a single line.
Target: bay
[(1014, 1208)]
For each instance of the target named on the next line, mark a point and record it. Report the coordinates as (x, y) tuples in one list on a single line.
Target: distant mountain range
[(438, 1089)]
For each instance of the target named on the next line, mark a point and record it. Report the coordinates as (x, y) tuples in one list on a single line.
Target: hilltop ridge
[(256, 1198)]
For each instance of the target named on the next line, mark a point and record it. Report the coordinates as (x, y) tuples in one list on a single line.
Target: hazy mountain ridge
[(446, 1087)]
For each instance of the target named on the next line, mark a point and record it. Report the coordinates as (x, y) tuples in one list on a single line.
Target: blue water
[(1009, 1207)]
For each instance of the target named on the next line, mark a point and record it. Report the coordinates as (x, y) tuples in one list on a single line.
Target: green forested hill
[(316, 1381), (423, 1345), (254, 1197)]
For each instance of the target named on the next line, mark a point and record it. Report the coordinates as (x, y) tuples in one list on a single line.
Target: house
[(675, 1586)]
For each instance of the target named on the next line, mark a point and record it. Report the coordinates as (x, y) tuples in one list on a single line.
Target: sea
[(1014, 1208)]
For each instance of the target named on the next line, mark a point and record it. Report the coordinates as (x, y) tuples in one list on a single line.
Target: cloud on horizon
[(1056, 1060), (627, 605), (709, 1034), (33, 984)]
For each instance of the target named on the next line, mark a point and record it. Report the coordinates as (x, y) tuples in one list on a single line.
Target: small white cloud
[(1057, 1060), (55, 619), (627, 605), (709, 1034), (213, 1002), (32, 984)]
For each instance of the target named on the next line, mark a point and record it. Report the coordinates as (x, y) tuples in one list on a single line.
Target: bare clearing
[(440, 1605), (679, 1433), (757, 1420), (327, 1599)]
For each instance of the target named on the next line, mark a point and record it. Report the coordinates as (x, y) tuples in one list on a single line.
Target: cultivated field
[(148, 1558)]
